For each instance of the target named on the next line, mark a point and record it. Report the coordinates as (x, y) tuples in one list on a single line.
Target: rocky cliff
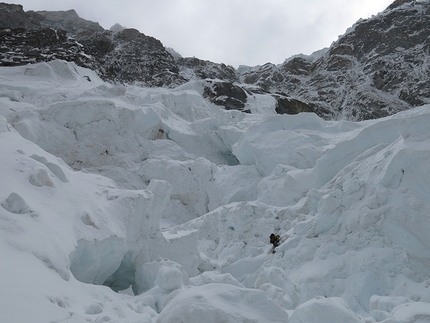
[(378, 67), (123, 56)]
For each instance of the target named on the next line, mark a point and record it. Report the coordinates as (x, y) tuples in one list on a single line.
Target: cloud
[(248, 32)]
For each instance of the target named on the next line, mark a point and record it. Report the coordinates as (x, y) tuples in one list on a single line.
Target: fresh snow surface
[(126, 204)]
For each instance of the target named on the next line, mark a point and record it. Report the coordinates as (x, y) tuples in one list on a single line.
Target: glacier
[(121, 203)]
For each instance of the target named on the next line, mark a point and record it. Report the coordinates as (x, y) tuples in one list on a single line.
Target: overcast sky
[(235, 32)]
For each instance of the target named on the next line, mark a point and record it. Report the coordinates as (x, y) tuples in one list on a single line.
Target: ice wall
[(182, 226), (77, 225), (352, 220)]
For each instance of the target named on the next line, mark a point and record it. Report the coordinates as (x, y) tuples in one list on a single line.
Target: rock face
[(123, 56), (229, 95), (194, 68), (13, 16), (39, 45), (286, 105), (130, 56), (379, 67), (70, 21)]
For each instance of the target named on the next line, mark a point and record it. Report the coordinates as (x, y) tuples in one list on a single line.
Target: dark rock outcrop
[(286, 105), (32, 46), (229, 95)]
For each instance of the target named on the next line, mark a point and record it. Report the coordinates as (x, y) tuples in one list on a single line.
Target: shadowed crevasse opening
[(104, 262), (124, 276)]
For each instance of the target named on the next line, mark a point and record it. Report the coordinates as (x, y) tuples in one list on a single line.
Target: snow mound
[(169, 279), (59, 72), (16, 204), (323, 310), (276, 284), (220, 303)]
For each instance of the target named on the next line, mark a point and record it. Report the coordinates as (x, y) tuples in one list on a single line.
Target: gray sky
[(234, 32)]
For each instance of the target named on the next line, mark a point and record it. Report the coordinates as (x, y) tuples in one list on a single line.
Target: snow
[(322, 309), (128, 204), (220, 303)]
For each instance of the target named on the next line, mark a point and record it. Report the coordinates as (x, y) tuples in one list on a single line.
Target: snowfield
[(129, 204)]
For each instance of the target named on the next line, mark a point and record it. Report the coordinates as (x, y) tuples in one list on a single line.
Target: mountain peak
[(116, 28), (398, 3), (11, 7)]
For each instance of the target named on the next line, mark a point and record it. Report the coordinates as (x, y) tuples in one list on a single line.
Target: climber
[(274, 240)]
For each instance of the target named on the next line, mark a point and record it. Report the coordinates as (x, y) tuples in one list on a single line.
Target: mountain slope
[(379, 67), (124, 56)]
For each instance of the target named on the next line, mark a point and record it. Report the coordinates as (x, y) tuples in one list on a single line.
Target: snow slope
[(129, 204)]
